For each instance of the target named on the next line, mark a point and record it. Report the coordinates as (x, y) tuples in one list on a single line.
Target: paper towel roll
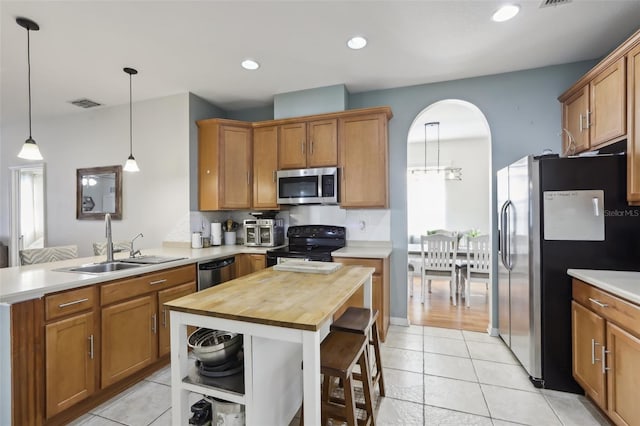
[(216, 233)]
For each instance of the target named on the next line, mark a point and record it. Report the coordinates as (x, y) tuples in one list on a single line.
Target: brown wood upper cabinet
[(633, 129), (363, 161), (308, 144), (265, 166), (224, 164), (603, 108), (595, 113)]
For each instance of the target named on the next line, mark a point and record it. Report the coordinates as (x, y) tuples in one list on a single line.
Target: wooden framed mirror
[(99, 191)]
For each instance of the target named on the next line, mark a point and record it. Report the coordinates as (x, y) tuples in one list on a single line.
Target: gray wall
[(155, 200), (524, 117)]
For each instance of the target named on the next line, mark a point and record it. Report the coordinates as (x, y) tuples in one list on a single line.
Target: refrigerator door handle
[(506, 233), (503, 232)]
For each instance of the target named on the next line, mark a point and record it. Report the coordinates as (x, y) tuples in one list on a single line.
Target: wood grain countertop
[(286, 299)]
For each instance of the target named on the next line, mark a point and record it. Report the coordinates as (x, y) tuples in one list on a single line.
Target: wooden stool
[(364, 321), (339, 353)]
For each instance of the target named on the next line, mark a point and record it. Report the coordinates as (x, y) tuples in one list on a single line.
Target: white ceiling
[(197, 46)]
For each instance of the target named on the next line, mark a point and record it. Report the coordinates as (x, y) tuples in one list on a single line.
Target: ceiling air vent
[(547, 3), (85, 103)]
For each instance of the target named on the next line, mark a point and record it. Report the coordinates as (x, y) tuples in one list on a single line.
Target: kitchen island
[(283, 317)]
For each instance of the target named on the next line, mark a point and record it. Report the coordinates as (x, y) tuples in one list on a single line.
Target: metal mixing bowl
[(214, 347)]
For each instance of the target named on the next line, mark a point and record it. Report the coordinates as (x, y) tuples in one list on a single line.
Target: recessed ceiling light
[(506, 12), (250, 64), (357, 42)]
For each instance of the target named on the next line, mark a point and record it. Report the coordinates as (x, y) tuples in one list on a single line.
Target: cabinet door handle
[(158, 282), (604, 360), (164, 318), (597, 302), (302, 146), (581, 118), (91, 346), (588, 119), (75, 302), (248, 178), (311, 147), (593, 351), (153, 323)]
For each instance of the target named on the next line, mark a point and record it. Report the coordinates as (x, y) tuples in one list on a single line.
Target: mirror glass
[(99, 191)]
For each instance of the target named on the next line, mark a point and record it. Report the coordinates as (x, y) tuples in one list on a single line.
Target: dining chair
[(478, 265), (101, 248), (414, 267), (438, 254), (47, 254)]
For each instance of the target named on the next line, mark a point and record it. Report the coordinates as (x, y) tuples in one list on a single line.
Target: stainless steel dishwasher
[(214, 272)]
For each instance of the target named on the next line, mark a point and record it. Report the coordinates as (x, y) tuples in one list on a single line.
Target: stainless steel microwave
[(308, 186)]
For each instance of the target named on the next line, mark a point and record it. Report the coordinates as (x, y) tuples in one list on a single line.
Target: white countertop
[(22, 283), (365, 249), (624, 284)]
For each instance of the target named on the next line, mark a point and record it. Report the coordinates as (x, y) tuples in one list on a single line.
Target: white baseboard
[(399, 321)]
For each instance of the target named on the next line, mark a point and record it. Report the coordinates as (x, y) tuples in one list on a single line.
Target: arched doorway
[(448, 188)]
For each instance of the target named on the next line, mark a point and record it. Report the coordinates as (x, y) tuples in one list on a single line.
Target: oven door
[(274, 257)]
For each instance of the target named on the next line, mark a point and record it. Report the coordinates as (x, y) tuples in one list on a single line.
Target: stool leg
[(349, 401), (366, 386), (376, 349)]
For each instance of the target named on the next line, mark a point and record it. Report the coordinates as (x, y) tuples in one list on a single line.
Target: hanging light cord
[(29, 79), (425, 146), (130, 119)]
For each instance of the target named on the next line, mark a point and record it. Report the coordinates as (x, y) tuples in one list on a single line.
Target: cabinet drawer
[(370, 263), (610, 307), (135, 286), (69, 302)]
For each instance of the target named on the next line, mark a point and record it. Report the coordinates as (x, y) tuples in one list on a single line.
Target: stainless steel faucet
[(132, 252), (107, 225)]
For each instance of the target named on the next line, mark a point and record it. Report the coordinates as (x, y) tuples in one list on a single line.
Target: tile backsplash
[(361, 224)]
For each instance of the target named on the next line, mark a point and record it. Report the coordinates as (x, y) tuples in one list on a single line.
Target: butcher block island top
[(285, 299)]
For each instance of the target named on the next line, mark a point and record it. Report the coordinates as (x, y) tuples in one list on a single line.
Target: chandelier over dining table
[(447, 172)]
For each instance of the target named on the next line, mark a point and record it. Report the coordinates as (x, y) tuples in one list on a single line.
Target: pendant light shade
[(131, 165), (30, 149)]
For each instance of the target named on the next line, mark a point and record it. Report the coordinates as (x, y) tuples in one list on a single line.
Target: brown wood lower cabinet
[(129, 338), (606, 351), (74, 349), (70, 370), (380, 288), (248, 263), (164, 338)]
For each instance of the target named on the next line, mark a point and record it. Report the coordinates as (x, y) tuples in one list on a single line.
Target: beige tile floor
[(433, 376)]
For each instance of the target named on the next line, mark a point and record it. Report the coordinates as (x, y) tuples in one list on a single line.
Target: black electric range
[(310, 242)]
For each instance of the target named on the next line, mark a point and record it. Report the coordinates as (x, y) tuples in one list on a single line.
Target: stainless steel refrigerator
[(555, 214)]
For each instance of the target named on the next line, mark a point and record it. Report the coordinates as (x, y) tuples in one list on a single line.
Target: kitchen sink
[(99, 268)]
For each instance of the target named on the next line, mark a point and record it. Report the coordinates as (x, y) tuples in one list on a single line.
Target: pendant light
[(130, 165), (29, 150), (449, 173)]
